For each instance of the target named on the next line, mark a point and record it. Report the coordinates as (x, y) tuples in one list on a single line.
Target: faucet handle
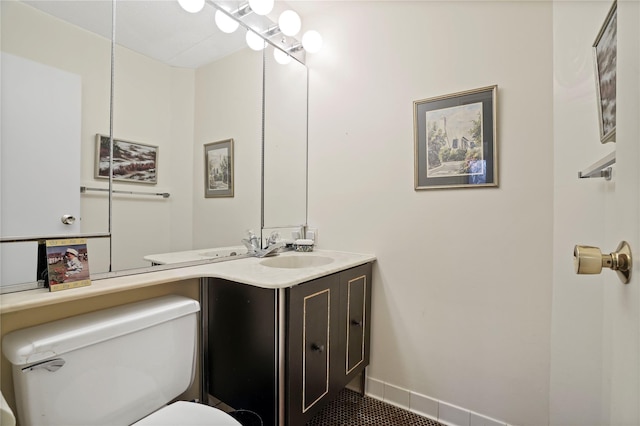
[(274, 237)]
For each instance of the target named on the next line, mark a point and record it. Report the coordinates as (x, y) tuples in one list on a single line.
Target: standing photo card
[(67, 263)]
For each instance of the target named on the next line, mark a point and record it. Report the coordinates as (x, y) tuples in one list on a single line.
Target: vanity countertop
[(249, 270)]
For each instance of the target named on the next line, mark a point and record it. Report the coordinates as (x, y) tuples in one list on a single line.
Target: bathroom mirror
[(285, 143), (173, 94), (55, 91), (175, 104)]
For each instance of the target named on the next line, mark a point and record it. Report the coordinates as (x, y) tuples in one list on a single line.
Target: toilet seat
[(188, 414)]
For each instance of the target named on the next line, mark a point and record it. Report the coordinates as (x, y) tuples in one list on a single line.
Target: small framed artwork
[(218, 169), (132, 161), (455, 140), (67, 263), (604, 57)]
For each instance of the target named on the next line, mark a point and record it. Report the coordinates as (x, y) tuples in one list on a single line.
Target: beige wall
[(228, 105), (26, 318), (462, 287)]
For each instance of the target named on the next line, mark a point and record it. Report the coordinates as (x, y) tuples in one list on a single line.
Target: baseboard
[(440, 411)]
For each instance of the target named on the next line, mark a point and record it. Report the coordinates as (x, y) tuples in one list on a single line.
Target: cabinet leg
[(363, 381)]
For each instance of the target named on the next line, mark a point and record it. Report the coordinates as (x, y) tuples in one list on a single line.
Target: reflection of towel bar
[(601, 168), (41, 239), (84, 189)]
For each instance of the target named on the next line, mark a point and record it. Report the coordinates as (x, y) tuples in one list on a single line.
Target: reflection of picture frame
[(455, 140), (218, 169), (67, 263), (132, 161), (604, 57)]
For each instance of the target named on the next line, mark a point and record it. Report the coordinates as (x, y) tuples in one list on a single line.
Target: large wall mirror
[(179, 85)]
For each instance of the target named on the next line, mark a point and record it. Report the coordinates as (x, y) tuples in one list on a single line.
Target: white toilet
[(118, 366)]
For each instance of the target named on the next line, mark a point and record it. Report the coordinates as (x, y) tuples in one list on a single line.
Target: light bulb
[(254, 41), (261, 7), (281, 57), (289, 23), (193, 6), (312, 41), (225, 23)]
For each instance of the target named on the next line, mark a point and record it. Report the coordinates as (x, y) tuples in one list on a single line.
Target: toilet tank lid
[(55, 338)]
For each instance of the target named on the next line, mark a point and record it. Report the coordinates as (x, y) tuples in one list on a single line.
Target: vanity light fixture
[(312, 41), (290, 23), (261, 30), (229, 22), (254, 41), (281, 57), (225, 23), (261, 7), (192, 6)]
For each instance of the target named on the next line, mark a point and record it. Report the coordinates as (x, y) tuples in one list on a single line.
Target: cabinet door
[(313, 310), (241, 348), (355, 307)]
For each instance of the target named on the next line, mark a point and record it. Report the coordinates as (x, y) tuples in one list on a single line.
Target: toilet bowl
[(118, 366), (188, 414)]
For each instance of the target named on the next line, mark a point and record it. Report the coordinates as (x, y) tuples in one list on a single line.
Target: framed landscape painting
[(132, 161), (218, 169), (605, 50), (455, 140)]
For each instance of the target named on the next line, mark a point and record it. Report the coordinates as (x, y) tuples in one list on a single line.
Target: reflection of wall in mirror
[(285, 140), (35, 36), (40, 162), (173, 108), (228, 105)]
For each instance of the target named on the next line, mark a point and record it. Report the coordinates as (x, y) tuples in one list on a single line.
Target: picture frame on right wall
[(604, 55), (455, 140)]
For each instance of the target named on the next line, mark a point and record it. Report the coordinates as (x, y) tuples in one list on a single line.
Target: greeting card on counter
[(67, 263)]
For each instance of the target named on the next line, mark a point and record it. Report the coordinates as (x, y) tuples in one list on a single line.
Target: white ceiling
[(160, 29)]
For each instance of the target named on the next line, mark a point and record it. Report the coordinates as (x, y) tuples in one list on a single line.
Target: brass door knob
[(590, 260)]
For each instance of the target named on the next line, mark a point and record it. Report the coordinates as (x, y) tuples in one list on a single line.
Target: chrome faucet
[(253, 245), (269, 251)]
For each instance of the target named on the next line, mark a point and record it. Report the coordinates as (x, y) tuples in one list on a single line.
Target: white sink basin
[(295, 262)]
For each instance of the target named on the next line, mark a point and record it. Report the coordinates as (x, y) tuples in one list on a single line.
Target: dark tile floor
[(351, 409)]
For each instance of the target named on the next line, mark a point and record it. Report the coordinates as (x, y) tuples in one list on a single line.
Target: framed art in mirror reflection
[(132, 161), (218, 169)]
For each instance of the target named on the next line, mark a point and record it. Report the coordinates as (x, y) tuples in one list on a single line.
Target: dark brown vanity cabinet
[(285, 353), (355, 331), (312, 345)]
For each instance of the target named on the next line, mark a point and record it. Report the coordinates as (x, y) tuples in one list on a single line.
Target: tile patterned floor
[(351, 409)]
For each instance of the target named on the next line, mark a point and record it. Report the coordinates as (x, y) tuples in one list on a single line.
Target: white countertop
[(195, 255), (247, 271)]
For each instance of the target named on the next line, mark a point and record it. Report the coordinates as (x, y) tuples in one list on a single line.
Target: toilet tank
[(109, 367)]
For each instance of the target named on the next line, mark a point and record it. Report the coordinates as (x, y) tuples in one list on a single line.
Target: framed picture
[(604, 55), (456, 141), (67, 263), (218, 169), (132, 161)]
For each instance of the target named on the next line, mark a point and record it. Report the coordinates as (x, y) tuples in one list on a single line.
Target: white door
[(621, 331), (40, 156), (595, 336)]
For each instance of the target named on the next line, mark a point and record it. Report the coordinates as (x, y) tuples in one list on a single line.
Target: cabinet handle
[(356, 322), (318, 348)]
